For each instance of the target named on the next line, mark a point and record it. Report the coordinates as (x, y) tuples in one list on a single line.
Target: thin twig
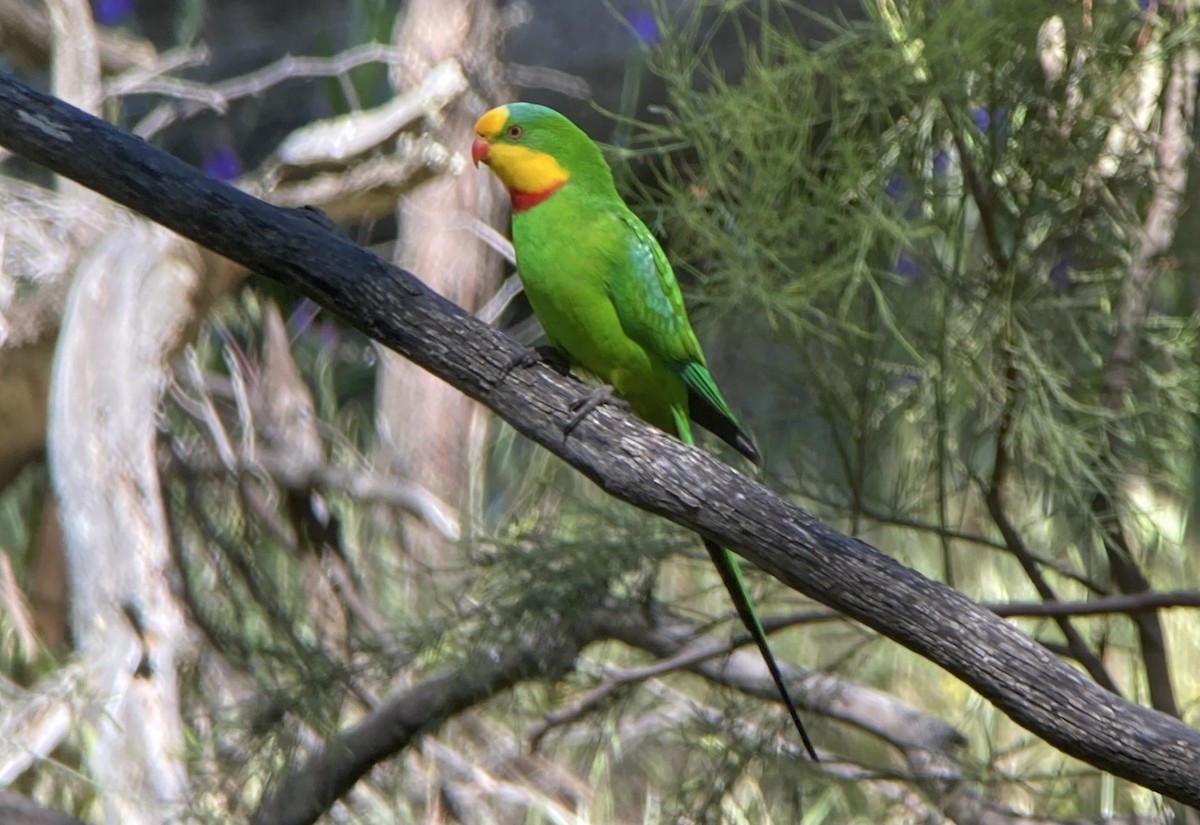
[(198, 97), (977, 186), (994, 497)]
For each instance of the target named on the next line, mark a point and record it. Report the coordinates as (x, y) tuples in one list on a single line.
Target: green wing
[(650, 307), (649, 304)]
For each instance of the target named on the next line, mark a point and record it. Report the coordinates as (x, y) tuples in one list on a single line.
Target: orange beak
[(479, 150)]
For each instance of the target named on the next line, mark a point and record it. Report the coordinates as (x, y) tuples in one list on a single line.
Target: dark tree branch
[(1104, 606), (310, 790), (19, 810), (627, 458), (1132, 605), (977, 185)]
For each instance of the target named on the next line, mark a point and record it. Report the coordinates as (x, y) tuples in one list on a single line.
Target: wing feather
[(650, 307), (644, 291)]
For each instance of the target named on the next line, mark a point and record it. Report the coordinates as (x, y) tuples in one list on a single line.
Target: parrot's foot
[(549, 356), (314, 214), (584, 405)]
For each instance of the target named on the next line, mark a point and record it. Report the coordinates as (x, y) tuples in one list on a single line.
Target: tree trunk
[(435, 434), (134, 300)]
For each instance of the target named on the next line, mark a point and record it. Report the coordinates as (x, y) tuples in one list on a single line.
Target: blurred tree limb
[(135, 294), (310, 167), (441, 439), (27, 35), (1169, 176), (928, 745), (135, 298), (19, 810), (624, 456), (311, 789)]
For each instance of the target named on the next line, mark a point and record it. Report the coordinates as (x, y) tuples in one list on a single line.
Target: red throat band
[(527, 200)]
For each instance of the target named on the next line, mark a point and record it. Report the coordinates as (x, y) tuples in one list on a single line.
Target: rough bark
[(623, 456)]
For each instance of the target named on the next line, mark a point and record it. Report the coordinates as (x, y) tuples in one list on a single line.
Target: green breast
[(570, 255)]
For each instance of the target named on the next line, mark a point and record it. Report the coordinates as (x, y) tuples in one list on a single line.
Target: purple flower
[(906, 265), (645, 27), (898, 192), (993, 122), (941, 163), (1060, 275), (328, 334), (302, 317), (112, 12), (222, 163)]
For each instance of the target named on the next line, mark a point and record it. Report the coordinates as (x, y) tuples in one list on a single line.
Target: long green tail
[(731, 575)]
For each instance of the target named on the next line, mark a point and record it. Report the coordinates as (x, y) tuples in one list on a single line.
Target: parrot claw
[(314, 214), (549, 356), (522, 360), (584, 405)]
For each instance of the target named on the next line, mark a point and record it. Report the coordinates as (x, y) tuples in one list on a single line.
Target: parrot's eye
[(514, 132)]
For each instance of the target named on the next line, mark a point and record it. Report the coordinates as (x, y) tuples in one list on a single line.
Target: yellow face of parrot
[(516, 147)]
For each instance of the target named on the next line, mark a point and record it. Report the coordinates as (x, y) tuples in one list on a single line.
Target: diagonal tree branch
[(679, 643), (19, 810), (327, 775), (625, 457)]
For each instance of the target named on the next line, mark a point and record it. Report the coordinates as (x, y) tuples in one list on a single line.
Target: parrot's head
[(534, 151)]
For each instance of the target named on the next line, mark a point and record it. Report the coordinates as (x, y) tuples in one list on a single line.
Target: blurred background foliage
[(907, 233)]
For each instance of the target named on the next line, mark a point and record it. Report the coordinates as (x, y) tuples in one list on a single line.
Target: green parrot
[(607, 299)]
